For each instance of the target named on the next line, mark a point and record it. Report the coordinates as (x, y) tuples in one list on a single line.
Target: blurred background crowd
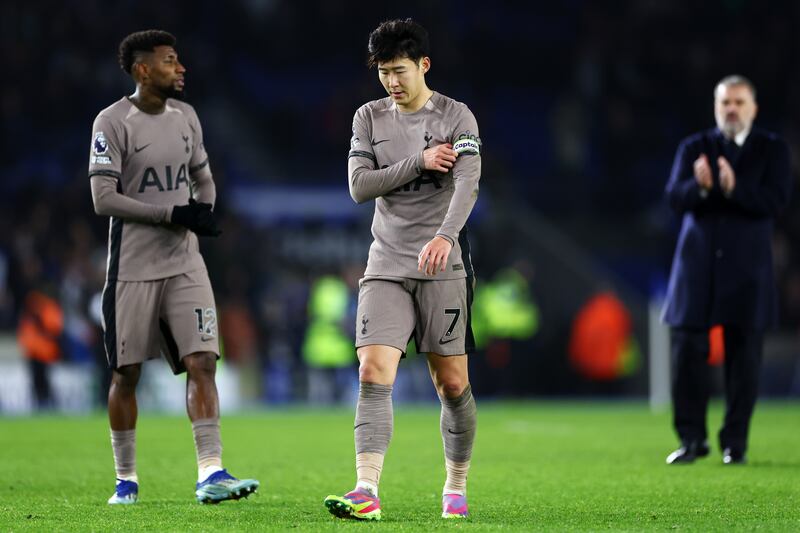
[(580, 104)]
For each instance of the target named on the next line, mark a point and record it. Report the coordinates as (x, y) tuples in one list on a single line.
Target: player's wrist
[(419, 164), (447, 238)]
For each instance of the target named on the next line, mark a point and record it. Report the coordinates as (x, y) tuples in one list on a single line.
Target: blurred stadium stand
[(581, 105)]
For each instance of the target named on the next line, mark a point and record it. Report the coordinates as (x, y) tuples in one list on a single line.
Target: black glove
[(198, 217), (207, 223)]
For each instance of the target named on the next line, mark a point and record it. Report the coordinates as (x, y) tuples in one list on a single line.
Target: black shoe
[(733, 457), (687, 453)]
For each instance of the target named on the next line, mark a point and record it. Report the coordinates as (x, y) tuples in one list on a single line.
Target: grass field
[(536, 466)]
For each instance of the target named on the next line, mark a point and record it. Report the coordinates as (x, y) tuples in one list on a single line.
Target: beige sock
[(123, 443), (368, 470), (208, 446), (456, 477)]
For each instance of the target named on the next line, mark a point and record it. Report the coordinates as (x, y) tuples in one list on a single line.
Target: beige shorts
[(175, 317), (436, 313)]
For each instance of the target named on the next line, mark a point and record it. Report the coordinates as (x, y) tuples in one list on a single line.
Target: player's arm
[(109, 202), (689, 170), (203, 188), (366, 180), (770, 195), (105, 168), (202, 181), (368, 183), (466, 174)]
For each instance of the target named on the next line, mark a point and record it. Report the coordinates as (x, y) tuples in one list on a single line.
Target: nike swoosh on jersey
[(376, 143), (138, 149)]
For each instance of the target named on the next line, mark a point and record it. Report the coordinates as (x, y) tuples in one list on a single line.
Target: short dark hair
[(137, 43), (736, 79), (395, 39)]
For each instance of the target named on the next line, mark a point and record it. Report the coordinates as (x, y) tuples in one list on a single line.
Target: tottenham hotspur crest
[(99, 145)]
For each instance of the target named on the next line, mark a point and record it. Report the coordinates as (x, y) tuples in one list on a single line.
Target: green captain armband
[(467, 144)]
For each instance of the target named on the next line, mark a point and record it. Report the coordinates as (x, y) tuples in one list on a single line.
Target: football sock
[(456, 482), (123, 443), (368, 470), (208, 446), (458, 423), (203, 473), (373, 431)]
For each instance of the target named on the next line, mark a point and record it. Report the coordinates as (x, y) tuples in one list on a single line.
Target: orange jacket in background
[(40, 325)]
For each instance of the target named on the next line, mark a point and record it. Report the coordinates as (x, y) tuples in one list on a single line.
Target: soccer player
[(417, 154), (149, 172)]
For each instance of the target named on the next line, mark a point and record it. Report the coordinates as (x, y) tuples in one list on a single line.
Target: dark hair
[(736, 79), (135, 44), (395, 39)]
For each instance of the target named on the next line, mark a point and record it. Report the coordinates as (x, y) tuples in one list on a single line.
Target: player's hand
[(439, 158), (207, 225), (702, 172), (433, 257), (197, 217), (727, 177)]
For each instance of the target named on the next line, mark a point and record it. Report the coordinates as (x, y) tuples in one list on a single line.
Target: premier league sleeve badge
[(99, 145)]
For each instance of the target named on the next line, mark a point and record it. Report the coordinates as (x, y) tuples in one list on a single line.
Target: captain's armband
[(467, 144)]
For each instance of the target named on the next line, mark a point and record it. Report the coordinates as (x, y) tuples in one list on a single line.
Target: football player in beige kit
[(149, 172), (417, 154)]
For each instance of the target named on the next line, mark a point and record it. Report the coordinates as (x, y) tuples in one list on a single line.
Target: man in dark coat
[(728, 184)]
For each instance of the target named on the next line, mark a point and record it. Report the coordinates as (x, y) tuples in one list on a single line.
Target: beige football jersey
[(413, 205), (152, 157)]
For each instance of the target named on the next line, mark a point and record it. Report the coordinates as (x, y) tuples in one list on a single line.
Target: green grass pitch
[(537, 466)]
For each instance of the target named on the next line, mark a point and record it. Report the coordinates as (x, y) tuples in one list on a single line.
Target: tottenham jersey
[(152, 158)]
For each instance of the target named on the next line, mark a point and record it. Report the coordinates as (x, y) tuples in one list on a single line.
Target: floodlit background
[(580, 104)]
